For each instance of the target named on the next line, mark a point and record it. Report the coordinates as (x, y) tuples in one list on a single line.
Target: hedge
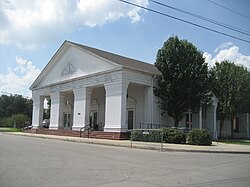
[(171, 135), (149, 136), (199, 137)]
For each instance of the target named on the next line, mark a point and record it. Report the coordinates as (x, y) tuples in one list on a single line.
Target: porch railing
[(150, 126)]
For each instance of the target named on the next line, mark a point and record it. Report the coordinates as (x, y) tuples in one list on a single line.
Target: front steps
[(92, 134)]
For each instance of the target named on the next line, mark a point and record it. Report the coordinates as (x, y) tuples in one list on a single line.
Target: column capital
[(38, 98), (82, 92), (116, 88), (56, 95)]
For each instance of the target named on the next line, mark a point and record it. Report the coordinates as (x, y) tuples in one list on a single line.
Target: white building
[(88, 85)]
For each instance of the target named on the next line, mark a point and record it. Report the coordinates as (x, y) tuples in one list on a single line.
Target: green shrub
[(199, 137), (136, 135), (4, 122), (149, 136), (16, 120), (171, 135), (154, 136)]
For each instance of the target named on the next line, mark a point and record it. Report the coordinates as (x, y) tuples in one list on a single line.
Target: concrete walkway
[(214, 148)]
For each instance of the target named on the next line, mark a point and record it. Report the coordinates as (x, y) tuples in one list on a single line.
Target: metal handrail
[(83, 129), (91, 127)]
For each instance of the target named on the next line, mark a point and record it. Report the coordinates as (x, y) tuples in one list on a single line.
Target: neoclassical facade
[(88, 85)]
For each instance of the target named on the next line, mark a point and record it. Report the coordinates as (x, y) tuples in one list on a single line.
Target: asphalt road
[(27, 161)]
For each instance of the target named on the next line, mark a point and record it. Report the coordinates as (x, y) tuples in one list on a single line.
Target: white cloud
[(228, 51), (29, 23), (223, 46), (19, 78)]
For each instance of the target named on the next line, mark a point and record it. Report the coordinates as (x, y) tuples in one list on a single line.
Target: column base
[(53, 127), (113, 129), (36, 126), (77, 128)]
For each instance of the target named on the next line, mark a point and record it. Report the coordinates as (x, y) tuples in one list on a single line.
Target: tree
[(184, 80), (230, 84), (15, 104), (16, 120)]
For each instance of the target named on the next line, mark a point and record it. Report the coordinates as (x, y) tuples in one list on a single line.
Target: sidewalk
[(215, 148)]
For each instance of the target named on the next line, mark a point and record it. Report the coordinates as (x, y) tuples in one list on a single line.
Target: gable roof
[(121, 60), (114, 58)]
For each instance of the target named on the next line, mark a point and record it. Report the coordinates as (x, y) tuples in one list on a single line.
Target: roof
[(114, 58), (121, 60)]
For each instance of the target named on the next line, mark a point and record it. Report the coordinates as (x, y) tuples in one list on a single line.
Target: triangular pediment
[(71, 62)]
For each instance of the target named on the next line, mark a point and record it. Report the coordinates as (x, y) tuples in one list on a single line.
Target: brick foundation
[(93, 134)]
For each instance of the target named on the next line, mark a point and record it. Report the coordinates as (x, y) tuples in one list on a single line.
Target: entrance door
[(130, 119), (93, 117), (66, 121), (93, 120)]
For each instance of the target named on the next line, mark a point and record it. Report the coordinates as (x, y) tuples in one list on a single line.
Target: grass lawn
[(9, 129), (239, 142)]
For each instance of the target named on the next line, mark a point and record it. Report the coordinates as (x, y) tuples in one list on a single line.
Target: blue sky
[(32, 30)]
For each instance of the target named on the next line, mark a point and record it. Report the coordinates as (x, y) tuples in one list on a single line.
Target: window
[(69, 69)]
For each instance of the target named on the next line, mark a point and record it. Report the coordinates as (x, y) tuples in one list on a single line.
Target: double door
[(67, 121)]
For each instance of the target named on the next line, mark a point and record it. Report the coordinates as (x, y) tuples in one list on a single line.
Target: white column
[(82, 98), (115, 109), (37, 113), (215, 134), (56, 112), (200, 118), (148, 106)]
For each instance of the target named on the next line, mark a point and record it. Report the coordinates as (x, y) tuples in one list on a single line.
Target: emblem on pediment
[(69, 69)]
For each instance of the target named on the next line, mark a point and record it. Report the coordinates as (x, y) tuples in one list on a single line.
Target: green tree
[(16, 120), (185, 78), (15, 104), (230, 84)]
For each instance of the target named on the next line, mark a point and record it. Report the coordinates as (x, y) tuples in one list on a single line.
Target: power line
[(182, 20), (204, 18), (231, 10)]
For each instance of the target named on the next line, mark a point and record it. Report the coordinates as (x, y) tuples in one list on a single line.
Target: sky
[(31, 31)]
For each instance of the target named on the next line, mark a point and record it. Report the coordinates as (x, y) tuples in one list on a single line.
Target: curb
[(119, 144)]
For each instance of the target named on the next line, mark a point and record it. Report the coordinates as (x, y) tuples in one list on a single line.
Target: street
[(27, 161)]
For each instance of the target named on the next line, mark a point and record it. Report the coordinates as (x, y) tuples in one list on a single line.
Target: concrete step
[(92, 134)]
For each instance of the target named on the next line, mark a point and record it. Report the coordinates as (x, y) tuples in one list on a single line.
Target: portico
[(86, 86)]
